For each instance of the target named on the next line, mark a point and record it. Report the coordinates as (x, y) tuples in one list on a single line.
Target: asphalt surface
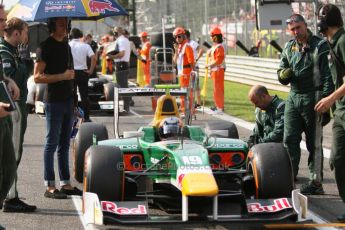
[(65, 214)]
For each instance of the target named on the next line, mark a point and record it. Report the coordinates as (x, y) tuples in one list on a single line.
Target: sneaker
[(311, 188), (217, 112), (213, 108), (17, 205), (55, 195), (75, 191)]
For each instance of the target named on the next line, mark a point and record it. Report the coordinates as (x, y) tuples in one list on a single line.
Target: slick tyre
[(82, 142), (104, 174), (270, 166), (230, 127), (109, 91), (156, 39)]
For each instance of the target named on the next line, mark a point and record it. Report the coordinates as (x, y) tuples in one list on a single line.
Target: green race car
[(170, 172)]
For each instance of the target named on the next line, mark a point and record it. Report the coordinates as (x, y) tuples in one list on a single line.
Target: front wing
[(127, 212)]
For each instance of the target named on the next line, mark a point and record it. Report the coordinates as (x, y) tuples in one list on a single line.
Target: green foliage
[(236, 100)]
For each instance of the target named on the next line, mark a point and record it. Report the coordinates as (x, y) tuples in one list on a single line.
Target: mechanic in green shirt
[(330, 26), (16, 33), (304, 65), (269, 116)]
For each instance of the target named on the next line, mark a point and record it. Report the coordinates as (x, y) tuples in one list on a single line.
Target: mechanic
[(184, 59), (15, 34), (169, 128), (217, 68), (330, 25), (8, 165), (308, 86), (80, 52), (122, 62), (269, 116), (198, 51), (145, 56), (54, 66)]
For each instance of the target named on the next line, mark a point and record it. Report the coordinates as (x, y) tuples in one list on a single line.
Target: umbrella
[(40, 10)]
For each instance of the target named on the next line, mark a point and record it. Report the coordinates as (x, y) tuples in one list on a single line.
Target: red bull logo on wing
[(101, 6)]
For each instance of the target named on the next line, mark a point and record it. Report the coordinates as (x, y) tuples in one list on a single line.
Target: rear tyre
[(223, 125), (270, 165), (109, 91), (104, 174), (82, 142)]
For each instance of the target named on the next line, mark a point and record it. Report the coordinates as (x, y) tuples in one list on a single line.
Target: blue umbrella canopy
[(40, 10)]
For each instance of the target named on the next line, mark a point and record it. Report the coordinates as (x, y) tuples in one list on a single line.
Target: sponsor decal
[(118, 209), (101, 6), (226, 146), (60, 5), (179, 180), (128, 146), (263, 207)]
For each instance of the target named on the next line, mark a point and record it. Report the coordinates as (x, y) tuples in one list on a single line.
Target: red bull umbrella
[(40, 10)]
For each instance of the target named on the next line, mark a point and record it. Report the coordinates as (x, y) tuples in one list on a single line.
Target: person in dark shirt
[(269, 116), (16, 32), (331, 26), (54, 66)]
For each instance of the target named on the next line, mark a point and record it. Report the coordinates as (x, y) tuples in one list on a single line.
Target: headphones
[(51, 24), (322, 25)]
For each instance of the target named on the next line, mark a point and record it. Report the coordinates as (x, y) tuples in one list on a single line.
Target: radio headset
[(322, 25)]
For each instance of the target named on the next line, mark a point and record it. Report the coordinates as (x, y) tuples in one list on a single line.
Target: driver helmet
[(169, 127)]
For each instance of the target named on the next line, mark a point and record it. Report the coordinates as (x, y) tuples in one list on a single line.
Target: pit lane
[(65, 214)]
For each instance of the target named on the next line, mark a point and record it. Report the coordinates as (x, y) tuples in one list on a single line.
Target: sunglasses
[(294, 18), (178, 36)]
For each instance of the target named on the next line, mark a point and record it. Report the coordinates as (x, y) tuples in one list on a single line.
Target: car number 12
[(192, 160)]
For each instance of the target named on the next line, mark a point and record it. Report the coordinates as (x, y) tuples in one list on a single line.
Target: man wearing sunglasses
[(184, 59), (304, 65)]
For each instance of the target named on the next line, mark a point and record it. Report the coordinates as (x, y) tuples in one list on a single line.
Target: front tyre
[(270, 165), (104, 172)]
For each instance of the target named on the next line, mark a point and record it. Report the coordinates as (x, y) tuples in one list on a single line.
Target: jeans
[(59, 117)]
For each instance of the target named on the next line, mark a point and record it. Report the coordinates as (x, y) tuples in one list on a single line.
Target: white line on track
[(135, 113), (77, 201)]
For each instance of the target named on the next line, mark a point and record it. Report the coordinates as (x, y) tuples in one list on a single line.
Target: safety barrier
[(250, 71)]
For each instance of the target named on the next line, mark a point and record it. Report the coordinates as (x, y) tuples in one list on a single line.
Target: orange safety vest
[(185, 59), (217, 55), (145, 54)]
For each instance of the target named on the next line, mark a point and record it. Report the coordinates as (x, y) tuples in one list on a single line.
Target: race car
[(100, 94), (184, 171)]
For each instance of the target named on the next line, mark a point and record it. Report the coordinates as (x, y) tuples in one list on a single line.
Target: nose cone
[(199, 184)]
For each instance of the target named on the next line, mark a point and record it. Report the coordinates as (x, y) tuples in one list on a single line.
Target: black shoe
[(213, 108), (17, 205), (55, 195), (75, 191), (2, 227), (311, 188), (341, 218), (87, 120)]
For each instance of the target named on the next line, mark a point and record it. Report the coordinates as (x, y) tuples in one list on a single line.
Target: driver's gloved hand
[(24, 52)]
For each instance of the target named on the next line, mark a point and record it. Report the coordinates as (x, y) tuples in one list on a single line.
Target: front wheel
[(104, 173), (82, 142), (270, 165)]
